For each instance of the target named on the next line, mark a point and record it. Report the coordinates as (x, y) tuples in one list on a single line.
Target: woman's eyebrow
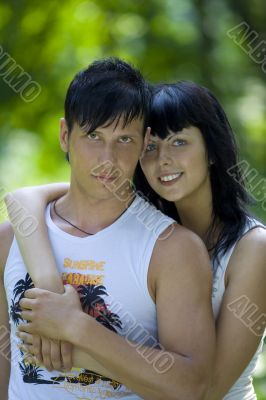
[(171, 136), (155, 140), (176, 133)]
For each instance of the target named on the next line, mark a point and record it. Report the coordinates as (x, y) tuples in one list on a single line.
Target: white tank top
[(243, 388), (109, 269)]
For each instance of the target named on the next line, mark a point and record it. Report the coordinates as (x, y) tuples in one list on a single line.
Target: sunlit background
[(168, 40)]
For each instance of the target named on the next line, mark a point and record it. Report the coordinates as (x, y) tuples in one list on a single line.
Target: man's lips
[(105, 178)]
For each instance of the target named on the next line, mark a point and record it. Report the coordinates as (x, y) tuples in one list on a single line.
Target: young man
[(146, 280)]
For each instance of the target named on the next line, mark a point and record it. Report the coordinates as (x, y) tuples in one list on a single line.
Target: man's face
[(108, 151)]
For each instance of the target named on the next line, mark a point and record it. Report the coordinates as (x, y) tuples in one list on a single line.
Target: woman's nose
[(164, 157)]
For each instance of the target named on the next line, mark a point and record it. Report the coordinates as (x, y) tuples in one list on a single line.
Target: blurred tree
[(168, 40)]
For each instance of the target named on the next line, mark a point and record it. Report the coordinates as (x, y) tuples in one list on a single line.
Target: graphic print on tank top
[(93, 303), (109, 270)]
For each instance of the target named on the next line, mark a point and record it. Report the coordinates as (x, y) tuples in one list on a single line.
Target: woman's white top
[(243, 388)]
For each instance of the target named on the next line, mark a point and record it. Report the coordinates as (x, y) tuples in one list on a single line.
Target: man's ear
[(146, 141), (64, 135)]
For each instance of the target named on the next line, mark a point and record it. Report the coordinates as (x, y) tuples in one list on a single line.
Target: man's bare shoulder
[(6, 239), (178, 238), (178, 247)]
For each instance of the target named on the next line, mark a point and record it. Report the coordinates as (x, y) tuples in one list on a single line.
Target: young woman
[(191, 173)]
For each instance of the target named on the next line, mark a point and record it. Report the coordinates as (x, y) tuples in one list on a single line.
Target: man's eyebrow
[(94, 131), (120, 134), (129, 134)]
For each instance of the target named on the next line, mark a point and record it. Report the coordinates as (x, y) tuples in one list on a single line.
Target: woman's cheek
[(148, 169)]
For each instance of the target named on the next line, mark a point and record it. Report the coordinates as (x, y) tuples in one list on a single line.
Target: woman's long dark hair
[(184, 104)]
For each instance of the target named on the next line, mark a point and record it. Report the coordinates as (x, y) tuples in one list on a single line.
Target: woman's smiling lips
[(170, 178)]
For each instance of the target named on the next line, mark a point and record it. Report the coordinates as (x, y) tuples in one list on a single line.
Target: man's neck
[(86, 212)]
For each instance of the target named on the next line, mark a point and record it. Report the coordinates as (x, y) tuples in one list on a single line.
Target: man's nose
[(109, 154)]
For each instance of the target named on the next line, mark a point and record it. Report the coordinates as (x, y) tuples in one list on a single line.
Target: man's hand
[(52, 354), (49, 313)]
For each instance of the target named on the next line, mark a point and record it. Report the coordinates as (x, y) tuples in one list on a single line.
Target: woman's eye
[(179, 142), (93, 136), (125, 139), (150, 147)]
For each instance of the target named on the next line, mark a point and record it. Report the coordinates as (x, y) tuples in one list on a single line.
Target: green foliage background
[(168, 40)]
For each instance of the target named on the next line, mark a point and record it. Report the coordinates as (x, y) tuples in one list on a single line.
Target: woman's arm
[(44, 274), (32, 201), (36, 246), (242, 318)]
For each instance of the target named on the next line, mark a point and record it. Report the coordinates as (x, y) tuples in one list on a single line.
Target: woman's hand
[(50, 314)]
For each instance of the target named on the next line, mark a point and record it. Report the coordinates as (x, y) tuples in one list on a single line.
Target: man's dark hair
[(106, 91)]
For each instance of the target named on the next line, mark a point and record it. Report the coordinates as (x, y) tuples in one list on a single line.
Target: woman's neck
[(196, 212)]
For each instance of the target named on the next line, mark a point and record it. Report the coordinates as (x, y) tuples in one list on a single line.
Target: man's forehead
[(120, 124)]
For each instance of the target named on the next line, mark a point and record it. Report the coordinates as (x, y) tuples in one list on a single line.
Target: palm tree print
[(14, 312), (94, 305), (32, 374), (90, 297), (23, 285), (110, 320)]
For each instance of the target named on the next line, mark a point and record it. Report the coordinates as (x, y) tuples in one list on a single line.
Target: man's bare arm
[(185, 321), (185, 324)]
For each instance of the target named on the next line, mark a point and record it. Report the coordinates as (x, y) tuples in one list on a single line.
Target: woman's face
[(177, 167)]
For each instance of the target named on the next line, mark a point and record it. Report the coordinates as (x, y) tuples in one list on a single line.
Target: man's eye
[(125, 139), (93, 136), (151, 147)]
